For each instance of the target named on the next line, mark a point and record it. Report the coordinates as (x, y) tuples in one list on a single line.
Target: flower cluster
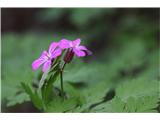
[(55, 50)]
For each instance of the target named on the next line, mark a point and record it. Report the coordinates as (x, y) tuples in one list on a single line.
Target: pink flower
[(79, 50), (55, 50), (46, 58)]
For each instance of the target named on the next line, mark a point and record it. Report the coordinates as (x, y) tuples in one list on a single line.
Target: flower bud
[(68, 56)]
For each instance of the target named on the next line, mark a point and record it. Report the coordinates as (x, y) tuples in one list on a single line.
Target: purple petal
[(76, 42), (64, 44), (44, 55), (82, 48), (52, 47), (56, 53), (37, 63), (79, 53), (88, 52), (46, 65)]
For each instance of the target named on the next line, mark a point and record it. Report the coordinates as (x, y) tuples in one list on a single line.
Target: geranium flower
[(46, 58), (74, 46)]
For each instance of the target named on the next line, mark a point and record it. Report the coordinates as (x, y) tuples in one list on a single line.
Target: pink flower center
[(70, 44), (48, 56)]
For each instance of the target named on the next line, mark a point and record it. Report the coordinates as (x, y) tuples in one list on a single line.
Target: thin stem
[(62, 91), (61, 76)]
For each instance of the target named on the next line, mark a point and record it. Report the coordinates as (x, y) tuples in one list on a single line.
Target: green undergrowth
[(125, 79)]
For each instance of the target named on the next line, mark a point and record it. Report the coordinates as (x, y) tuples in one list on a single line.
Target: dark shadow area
[(133, 72), (109, 96), (22, 108), (158, 106), (78, 85)]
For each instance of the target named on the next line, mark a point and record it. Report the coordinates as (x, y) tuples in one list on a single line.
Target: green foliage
[(135, 88), (49, 15), (48, 86), (73, 100), (132, 94), (142, 104), (81, 17), (17, 99), (34, 95)]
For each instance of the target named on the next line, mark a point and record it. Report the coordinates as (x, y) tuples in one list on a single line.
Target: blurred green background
[(122, 74)]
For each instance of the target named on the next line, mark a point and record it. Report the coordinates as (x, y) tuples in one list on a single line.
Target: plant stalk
[(61, 77)]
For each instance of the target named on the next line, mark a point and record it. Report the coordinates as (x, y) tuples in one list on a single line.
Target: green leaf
[(74, 99), (141, 104), (34, 95), (48, 86), (18, 99)]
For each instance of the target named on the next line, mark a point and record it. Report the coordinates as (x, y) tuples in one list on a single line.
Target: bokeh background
[(121, 75)]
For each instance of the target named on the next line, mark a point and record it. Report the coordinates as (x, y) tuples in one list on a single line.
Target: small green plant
[(54, 61)]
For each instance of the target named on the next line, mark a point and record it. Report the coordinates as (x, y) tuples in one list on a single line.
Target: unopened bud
[(68, 56)]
